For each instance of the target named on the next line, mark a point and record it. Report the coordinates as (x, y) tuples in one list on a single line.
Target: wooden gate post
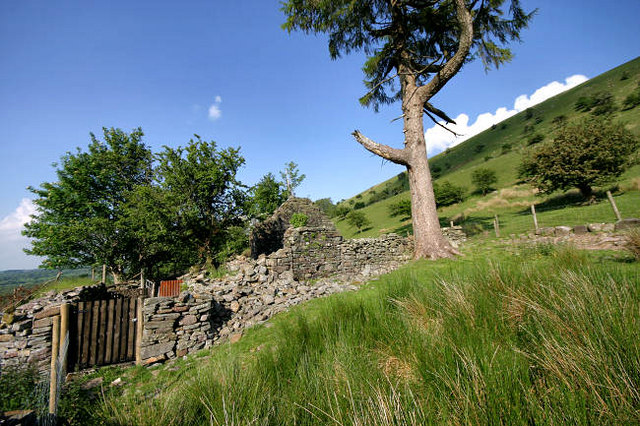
[(53, 384), (65, 336), (139, 330), (613, 205), (104, 273), (535, 217)]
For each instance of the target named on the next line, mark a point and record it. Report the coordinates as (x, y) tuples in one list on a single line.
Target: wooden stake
[(613, 205), (142, 279), (64, 338), (451, 223), (535, 217), (496, 226), (53, 384), (93, 274), (139, 330), (104, 273)]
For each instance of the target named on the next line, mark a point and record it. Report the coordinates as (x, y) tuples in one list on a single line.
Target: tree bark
[(428, 239)]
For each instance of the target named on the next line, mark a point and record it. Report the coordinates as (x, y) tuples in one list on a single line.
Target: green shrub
[(601, 103), (358, 220), (484, 179), (447, 193), (18, 387), (401, 208), (632, 100), (299, 220), (341, 211), (537, 138)]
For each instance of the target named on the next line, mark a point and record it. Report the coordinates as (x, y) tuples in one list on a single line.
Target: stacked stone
[(25, 336), (455, 235), (245, 304), (174, 327)]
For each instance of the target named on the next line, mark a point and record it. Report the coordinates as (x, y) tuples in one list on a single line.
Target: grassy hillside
[(28, 278), (501, 149), (475, 340)]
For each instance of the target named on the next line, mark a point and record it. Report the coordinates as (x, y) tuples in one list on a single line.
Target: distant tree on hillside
[(358, 219), (582, 155), (447, 193), (414, 48), (484, 179), (402, 208), (342, 210)]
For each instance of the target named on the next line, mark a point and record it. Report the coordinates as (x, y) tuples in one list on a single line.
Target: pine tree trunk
[(428, 238)]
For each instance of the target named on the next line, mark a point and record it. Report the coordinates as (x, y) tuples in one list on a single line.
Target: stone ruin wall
[(313, 261)]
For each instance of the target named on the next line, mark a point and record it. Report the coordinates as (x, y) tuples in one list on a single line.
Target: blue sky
[(228, 72)]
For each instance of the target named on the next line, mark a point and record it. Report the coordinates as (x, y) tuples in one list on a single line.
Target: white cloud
[(438, 139), (12, 224), (12, 241), (214, 110)]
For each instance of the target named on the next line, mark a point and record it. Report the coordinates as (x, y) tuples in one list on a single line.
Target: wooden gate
[(102, 332)]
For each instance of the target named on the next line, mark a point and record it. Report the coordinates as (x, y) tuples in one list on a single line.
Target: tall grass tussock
[(549, 341)]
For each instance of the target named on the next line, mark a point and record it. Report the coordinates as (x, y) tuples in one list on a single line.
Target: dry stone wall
[(175, 327)]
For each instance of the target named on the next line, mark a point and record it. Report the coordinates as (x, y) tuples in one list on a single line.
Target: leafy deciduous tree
[(421, 44), (201, 181), (292, 177), (266, 196), (447, 193), (591, 152), (79, 219), (484, 179), (358, 219), (402, 208)]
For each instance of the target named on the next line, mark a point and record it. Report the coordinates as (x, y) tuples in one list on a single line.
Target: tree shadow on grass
[(470, 226), (571, 198), (364, 230), (476, 225)]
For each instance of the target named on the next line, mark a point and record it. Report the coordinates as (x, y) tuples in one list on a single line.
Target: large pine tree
[(414, 48)]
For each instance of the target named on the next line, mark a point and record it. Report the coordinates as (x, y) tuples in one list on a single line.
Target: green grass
[(463, 159), (538, 334), (65, 283)]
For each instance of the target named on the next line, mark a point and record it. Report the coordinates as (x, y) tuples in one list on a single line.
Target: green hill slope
[(501, 148)]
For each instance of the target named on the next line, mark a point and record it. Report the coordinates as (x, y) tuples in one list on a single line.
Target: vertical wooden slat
[(78, 333), (132, 329), (139, 329), (125, 329), (110, 325), (102, 335), (93, 343), (86, 333), (115, 353)]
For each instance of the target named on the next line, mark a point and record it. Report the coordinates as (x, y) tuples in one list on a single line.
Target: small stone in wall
[(235, 337)]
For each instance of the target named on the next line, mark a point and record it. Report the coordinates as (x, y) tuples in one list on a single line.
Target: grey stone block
[(157, 350), (627, 224)]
